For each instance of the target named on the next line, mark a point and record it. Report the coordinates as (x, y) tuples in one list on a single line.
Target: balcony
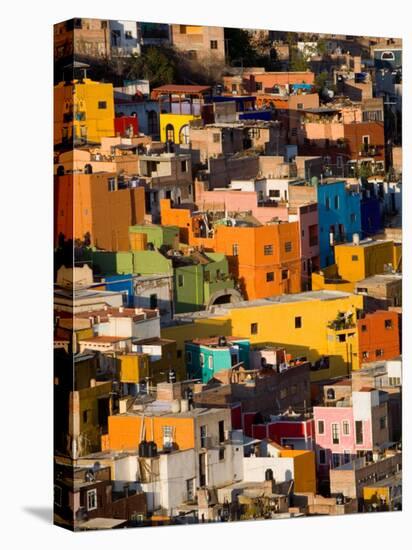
[(369, 151)]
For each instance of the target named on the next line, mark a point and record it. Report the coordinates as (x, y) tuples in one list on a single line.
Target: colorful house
[(178, 106), (296, 322), (83, 111), (379, 336), (355, 424), (97, 207), (204, 357), (357, 261), (273, 269), (339, 217)]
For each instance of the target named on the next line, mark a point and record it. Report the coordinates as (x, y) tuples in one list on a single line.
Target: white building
[(124, 38)]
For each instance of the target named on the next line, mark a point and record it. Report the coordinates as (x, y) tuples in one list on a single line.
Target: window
[(327, 203), (103, 24), (91, 498), (216, 138), (335, 460), (364, 328), (111, 184), (270, 277), (388, 324), (382, 422), (359, 432), (345, 427), (180, 280), (285, 274), (189, 357), (365, 354), (321, 427), (167, 437), (102, 105), (203, 435), (335, 434), (128, 35), (274, 193), (353, 218), (268, 249), (184, 166), (85, 417), (190, 494), (213, 44), (221, 453), (77, 23), (300, 105), (322, 456), (210, 362), (57, 495), (283, 393), (346, 457), (182, 29), (394, 381), (235, 250), (179, 353), (221, 427), (298, 322), (288, 246), (202, 360), (388, 56), (253, 328), (153, 301), (337, 202), (355, 258), (379, 352)]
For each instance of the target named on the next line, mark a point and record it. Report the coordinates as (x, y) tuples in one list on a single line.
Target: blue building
[(205, 357), (339, 217), (371, 211)]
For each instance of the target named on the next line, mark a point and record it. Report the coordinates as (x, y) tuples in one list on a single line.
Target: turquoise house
[(205, 357)]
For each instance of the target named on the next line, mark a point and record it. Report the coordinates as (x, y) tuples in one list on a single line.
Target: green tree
[(320, 80), (155, 64), (297, 61)]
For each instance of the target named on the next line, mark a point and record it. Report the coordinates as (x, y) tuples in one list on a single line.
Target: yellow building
[(175, 128), (305, 324), (178, 106), (357, 261), (134, 367), (304, 469), (83, 111)]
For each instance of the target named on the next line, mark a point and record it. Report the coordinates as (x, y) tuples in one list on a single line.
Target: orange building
[(125, 431), (94, 204), (379, 336), (265, 259)]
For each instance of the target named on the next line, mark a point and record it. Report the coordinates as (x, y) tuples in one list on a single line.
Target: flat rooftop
[(383, 278), (223, 309), (164, 408)]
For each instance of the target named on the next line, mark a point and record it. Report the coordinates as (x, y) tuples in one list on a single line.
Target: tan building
[(199, 43)]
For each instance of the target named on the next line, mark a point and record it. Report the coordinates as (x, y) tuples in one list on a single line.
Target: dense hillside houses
[(228, 274)]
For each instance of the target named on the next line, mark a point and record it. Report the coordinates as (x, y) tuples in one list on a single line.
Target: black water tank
[(269, 475), (143, 448), (151, 449)]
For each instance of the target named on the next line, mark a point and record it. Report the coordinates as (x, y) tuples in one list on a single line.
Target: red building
[(379, 336), (126, 126)]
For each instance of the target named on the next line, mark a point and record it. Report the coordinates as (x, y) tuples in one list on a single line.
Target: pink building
[(307, 216), (350, 428), (233, 201)]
